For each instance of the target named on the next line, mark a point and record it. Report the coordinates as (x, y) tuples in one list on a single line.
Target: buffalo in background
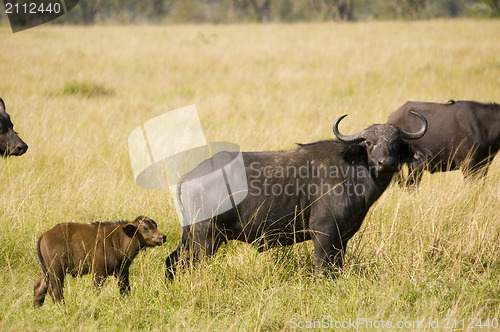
[(320, 192), (10, 143), (461, 134)]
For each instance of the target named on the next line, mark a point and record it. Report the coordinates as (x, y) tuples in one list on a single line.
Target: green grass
[(431, 254), (84, 89)]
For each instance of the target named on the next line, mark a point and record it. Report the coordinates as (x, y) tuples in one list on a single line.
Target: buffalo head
[(384, 145), (10, 143)]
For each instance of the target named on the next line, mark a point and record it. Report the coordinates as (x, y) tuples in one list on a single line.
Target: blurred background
[(231, 11)]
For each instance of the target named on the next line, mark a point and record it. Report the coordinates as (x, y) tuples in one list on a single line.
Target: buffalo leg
[(328, 254), (183, 254), (185, 251), (40, 290), (173, 258), (195, 240), (214, 241), (171, 263)]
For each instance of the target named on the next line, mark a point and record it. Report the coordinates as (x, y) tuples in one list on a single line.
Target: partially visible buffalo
[(320, 191), (461, 134), (103, 248), (10, 143)]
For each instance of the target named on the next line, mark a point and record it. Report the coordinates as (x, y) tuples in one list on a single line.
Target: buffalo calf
[(10, 143), (103, 248)]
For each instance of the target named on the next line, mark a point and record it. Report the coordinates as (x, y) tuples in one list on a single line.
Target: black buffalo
[(461, 134), (10, 143), (321, 191)]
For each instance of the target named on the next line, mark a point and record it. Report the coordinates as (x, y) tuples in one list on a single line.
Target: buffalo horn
[(356, 138), (418, 134)]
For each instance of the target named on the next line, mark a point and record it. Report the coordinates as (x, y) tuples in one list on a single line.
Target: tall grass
[(430, 254)]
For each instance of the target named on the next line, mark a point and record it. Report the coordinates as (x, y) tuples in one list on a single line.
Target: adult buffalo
[(321, 191), (10, 143), (461, 134)]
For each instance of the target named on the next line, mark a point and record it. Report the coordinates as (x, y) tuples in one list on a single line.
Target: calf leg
[(56, 283), (40, 290), (124, 283), (99, 277)]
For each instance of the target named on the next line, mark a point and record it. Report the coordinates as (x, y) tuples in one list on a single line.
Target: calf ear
[(130, 230), (2, 106), (354, 154), (411, 153)]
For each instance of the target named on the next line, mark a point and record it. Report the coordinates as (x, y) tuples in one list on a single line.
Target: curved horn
[(356, 138), (418, 134)]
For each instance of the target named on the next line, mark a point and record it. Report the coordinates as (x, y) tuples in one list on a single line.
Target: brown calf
[(103, 248)]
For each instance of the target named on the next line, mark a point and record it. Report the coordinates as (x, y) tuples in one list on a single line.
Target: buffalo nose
[(19, 149), (387, 164)]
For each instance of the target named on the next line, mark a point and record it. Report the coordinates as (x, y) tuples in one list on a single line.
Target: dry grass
[(75, 94)]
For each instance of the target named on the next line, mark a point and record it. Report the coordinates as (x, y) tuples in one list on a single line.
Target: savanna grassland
[(76, 93)]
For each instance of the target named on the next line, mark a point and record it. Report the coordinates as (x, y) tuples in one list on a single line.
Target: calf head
[(10, 143), (146, 231), (384, 146)]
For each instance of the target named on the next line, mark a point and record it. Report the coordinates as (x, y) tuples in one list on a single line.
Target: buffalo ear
[(2, 106), (355, 154), (130, 230), (411, 153)]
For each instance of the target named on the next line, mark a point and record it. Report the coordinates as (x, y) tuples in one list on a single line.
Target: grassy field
[(75, 94)]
